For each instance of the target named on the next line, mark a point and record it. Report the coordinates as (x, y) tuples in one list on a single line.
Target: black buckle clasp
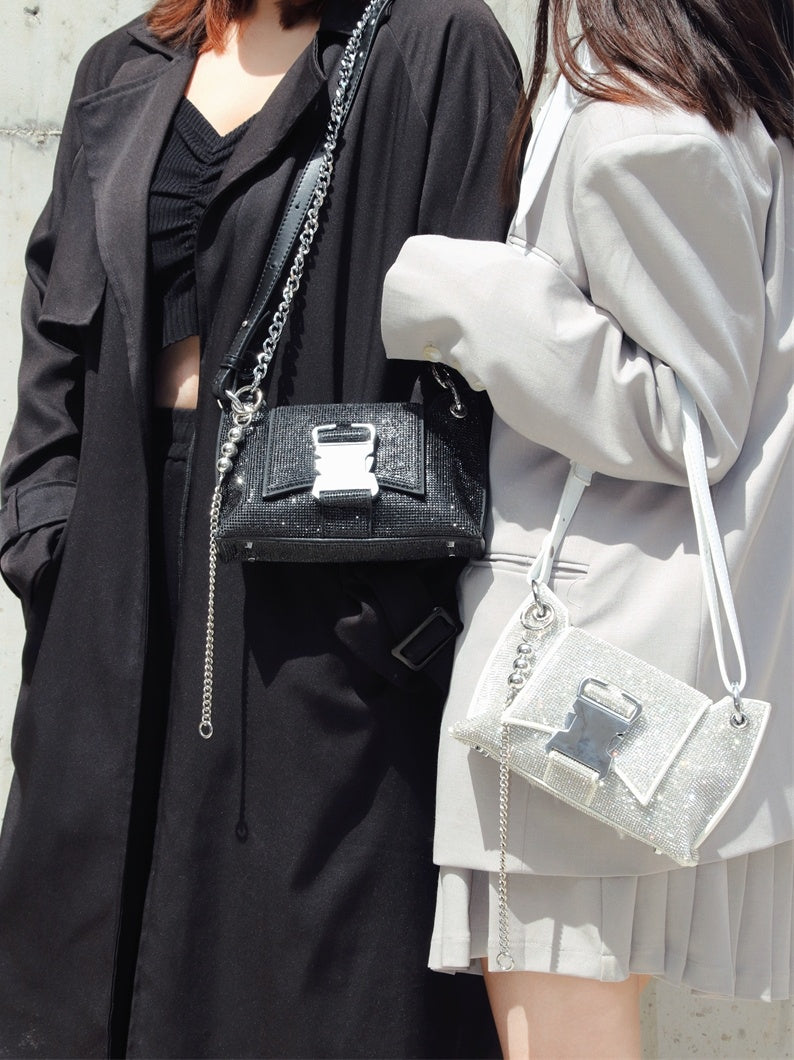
[(425, 642)]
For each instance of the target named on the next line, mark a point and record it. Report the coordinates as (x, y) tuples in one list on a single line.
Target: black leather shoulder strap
[(292, 221)]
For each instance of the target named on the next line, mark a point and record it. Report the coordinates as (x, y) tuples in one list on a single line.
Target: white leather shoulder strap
[(713, 565), (547, 134), (712, 554), (577, 482)]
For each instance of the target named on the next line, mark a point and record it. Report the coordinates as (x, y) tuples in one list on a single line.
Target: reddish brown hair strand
[(204, 24)]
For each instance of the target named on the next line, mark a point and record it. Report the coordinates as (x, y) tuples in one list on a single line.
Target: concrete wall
[(44, 41)]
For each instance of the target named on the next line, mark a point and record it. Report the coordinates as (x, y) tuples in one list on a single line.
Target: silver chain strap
[(312, 222), (537, 616), (504, 958), (242, 414), (246, 401), (205, 727), (444, 379)]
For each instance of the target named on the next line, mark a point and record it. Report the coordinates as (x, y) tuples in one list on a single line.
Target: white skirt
[(723, 929)]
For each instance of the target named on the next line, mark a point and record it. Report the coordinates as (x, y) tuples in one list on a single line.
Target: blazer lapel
[(123, 127)]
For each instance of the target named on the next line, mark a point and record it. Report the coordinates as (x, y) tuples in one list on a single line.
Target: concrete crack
[(31, 133)]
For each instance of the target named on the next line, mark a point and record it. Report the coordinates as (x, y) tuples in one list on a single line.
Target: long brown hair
[(204, 24), (712, 57)]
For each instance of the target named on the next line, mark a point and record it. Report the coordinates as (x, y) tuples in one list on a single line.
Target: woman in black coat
[(267, 892)]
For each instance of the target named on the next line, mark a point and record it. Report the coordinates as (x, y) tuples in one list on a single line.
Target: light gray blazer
[(652, 232)]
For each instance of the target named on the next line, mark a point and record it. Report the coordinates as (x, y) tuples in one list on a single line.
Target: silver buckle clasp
[(343, 456), (594, 729)]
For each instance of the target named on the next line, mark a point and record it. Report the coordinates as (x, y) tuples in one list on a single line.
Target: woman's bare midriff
[(176, 375)]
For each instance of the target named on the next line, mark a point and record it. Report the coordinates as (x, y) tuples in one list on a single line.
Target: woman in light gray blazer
[(660, 242)]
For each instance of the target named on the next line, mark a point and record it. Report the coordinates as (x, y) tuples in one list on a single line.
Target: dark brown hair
[(204, 24), (712, 57)]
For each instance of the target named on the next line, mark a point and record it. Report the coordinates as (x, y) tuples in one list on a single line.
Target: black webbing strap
[(292, 222), (419, 628)]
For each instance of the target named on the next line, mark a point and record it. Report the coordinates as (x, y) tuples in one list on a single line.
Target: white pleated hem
[(723, 929)]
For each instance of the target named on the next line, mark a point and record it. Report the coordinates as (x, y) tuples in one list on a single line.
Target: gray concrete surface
[(43, 43)]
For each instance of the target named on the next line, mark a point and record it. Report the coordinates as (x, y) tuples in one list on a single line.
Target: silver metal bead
[(229, 449), (224, 465), (516, 679), (235, 434)]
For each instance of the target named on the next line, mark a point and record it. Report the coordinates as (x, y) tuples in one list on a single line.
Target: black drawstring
[(241, 828)]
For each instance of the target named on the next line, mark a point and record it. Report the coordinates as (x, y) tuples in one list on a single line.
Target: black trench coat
[(310, 937)]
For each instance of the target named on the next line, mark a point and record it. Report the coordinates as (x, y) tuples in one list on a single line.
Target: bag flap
[(568, 680), (398, 447)]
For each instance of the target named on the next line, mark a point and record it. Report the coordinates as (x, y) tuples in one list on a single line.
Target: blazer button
[(431, 352)]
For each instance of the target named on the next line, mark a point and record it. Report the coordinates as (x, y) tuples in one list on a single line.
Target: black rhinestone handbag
[(352, 482)]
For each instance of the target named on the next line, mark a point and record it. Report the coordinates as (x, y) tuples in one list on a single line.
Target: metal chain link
[(241, 416), (504, 958), (205, 726), (536, 617), (444, 379)]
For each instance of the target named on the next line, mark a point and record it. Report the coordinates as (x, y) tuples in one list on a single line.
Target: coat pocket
[(32, 524)]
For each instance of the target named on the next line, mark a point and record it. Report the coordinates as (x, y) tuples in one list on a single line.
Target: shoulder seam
[(407, 70), (604, 148)]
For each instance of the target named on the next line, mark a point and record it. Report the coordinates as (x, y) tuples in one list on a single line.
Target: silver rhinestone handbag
[(604, 731)]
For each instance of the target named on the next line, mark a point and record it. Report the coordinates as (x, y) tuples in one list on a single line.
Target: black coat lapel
[(123, 129), (296, 92), (303, 83), (124, 126)]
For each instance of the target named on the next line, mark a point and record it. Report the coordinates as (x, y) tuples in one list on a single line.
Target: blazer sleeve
[(39, 469), (666, 235)]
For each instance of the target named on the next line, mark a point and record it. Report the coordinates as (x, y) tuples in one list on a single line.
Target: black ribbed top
[(189, 167)]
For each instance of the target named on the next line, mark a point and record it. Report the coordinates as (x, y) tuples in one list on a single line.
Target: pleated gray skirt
[(723, 929)]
